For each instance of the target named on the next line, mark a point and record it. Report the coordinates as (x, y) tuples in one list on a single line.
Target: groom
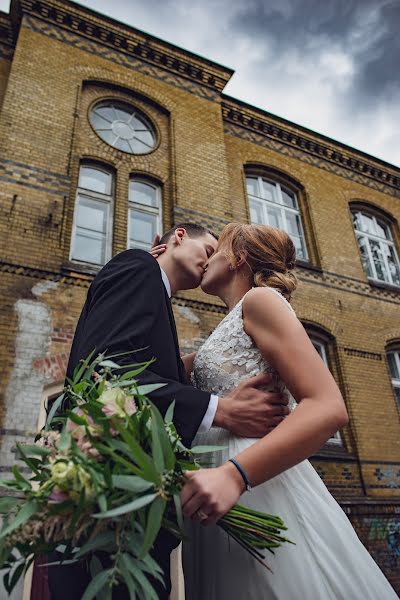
[(128, 308)]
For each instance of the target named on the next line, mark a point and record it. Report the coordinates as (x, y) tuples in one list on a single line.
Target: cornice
[(265, 129), (127, 40)]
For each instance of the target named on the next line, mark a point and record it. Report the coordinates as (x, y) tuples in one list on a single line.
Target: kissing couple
[(258, 388)]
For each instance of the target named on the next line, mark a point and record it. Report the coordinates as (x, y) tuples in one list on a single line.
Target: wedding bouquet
[(105, 476)]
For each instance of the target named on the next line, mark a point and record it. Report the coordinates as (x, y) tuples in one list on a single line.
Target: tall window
[(377, 248), (321, 347), (145, 216), (91, 236), (394, 367), (272, 204)]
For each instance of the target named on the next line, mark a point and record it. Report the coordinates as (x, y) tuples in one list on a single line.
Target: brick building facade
[(108, 134)]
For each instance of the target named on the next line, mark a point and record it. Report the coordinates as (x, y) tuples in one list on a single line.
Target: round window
[(123, 127)]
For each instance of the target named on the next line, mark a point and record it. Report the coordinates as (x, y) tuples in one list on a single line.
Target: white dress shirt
[(212, 407)]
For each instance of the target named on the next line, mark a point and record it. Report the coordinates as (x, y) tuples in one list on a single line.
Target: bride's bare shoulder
[(264, 305)]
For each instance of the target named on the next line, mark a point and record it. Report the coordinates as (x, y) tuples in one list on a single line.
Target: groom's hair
[(192, 229)]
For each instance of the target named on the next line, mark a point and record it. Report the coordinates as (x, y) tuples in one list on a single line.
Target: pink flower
[(57, 496), (117, 403)]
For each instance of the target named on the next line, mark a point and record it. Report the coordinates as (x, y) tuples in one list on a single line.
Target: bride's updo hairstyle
[(270, 254)]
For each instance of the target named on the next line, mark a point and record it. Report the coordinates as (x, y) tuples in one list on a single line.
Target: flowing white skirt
[(328, 562)]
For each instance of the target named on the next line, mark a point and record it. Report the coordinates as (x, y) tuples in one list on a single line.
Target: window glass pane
[(367, 224), (268, 191), (357, 221), (95, 180), (320, 348), (142, 227), (377, 256), (293, 223), (362, 243), (143, 193), (274, 217), (393, 263), (256, 212), (397, 392), (288, 199), (106, 112), (89, 249), (121, 126), (394, 371), (92, 215), (252, 186), (382, 230), (145, 137), (299, 245)]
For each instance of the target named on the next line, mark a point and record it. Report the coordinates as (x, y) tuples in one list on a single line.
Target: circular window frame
[(153, 127)]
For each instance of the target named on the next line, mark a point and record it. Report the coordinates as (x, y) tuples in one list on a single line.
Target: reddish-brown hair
[(270, 254)]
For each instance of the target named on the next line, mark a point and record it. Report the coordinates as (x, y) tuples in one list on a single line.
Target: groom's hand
[(249, 411)]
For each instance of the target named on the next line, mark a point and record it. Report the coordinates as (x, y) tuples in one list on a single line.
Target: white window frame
[(336, 438), (278, 205), (98, 197), (382, 242), (395, 380), (145, 209)]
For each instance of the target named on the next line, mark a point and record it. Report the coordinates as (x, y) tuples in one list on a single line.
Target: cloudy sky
[(330, 65)]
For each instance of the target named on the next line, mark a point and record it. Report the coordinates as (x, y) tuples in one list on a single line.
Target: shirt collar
[(166, 282)]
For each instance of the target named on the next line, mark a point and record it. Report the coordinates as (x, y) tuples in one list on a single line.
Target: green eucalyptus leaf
[(126, 508), (178, 508), (169, 415), (27, 510), (54, 408), (97, 583), (131, 483), (34, 450), (154, 519), (144, 390), (102, 540), (158, 455), (7, 503), (163, 439)]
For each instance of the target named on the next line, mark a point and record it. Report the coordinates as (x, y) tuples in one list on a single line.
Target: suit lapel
[(171, 317)]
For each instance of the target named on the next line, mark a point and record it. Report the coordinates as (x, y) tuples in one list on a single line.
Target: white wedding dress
[(328, 562)]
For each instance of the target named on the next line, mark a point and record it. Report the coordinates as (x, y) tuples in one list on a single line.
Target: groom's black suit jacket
[(128, 309)]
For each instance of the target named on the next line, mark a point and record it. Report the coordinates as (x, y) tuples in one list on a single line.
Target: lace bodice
[(229, 356)]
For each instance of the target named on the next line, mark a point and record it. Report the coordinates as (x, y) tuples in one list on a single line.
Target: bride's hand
[(210, 493), (157, 248)]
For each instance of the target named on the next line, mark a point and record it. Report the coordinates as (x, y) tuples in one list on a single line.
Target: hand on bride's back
[(249, 411)]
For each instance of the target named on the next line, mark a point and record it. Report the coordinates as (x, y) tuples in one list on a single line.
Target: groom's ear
[(178, 235)]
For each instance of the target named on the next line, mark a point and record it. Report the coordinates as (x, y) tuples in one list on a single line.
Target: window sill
[(334, 451), (383, 285), (76, 268), (305, 264)]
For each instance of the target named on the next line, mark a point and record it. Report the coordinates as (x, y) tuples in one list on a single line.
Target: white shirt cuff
[(208, 418)]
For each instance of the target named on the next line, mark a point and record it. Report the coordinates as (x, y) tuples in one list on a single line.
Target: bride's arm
[(188, 360), (321, 411)]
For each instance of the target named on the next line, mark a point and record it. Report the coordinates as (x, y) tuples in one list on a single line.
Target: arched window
[(145, 213), (377, 248), (393, 356), (272, 203), (321, 343), (92, 227)]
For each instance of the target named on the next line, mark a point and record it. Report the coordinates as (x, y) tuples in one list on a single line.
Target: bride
[(252, 272)]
